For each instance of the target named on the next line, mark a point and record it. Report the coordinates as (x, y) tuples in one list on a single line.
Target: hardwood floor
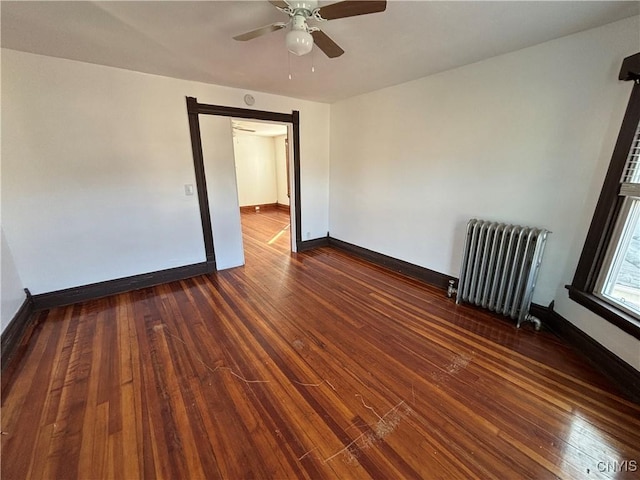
[(314, 365)]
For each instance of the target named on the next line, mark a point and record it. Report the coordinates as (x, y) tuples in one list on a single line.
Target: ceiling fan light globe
[(299, 42)]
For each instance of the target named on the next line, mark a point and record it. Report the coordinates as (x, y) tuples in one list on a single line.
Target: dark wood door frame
[(194, 109)]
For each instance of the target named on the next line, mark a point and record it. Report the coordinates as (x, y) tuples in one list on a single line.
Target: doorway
[(219, 210), (261, 154)]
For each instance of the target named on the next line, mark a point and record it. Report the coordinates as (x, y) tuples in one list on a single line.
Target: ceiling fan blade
[(260, 31), (324, 43), (279, 3), (351, 9)]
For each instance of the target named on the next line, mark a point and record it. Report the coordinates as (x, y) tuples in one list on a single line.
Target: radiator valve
[(451, 290), (530, 318)]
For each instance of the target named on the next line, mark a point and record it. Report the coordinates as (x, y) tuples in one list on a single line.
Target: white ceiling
[(261, 129), (193, 40)]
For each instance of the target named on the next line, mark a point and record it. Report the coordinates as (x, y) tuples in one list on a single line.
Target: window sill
[(598, 306)]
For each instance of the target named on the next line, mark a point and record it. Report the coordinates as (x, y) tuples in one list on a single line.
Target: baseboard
[(311, 244), (623, 375), (120, 285), (15, 331), (263, 207), (426, 275)]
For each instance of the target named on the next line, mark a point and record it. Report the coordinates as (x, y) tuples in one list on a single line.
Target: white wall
[(255, 169), (524, 137), (11, 289), (94, 164), (281, 169)]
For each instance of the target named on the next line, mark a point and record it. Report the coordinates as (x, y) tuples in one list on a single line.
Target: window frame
[(602, 228), (620, 241)]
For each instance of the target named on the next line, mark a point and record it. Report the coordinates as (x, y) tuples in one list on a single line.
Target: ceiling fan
[(301, 37)]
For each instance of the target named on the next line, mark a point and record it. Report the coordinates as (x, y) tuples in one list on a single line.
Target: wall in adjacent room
[(255, 169), (95, 160)]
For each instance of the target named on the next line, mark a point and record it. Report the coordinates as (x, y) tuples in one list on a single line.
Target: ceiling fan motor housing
[(303, 7), (298, 22)]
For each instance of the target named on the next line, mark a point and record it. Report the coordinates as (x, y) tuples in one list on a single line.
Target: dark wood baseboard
[(311, 244), (431, 277), (424, 274), (264, 206), (623, 375), (15, 331), (120, 285)]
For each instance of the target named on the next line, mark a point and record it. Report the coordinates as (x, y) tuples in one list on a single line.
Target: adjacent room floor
[(312, 365)]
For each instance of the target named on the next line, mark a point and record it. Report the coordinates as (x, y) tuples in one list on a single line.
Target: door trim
[(194, 109)]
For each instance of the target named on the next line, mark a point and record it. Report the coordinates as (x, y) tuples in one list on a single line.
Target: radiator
[(499, 268)]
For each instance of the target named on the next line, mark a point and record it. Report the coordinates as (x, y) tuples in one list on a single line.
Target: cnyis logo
[(614, 466)]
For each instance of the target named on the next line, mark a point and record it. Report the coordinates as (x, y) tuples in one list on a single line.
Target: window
[(607, 279), (619, 278)]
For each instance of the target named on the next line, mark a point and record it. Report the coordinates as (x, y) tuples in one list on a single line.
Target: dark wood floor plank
[(313, 365)]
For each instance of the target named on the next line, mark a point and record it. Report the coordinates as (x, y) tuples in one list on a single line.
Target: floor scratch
[(213, 370), (386, 425), (368, 407), (307, 453)]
